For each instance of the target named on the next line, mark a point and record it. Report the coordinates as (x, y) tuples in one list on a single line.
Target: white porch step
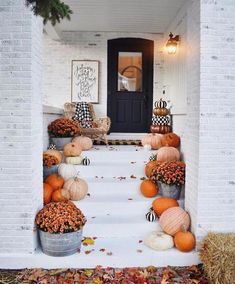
[(122, 252), (111, 169), (127, 153)]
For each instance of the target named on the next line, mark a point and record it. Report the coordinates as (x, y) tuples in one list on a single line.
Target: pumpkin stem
[(183, 229)]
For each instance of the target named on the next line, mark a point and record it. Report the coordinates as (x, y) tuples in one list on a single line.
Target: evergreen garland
[(50, 10)]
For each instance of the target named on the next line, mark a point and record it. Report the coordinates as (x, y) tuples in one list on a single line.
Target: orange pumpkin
[(60, 195), (72, 149), (170, 139), (168, 154), (184, 241), (154, 128), (154, 140), (161, 204), (148, 188), (173, 219), (47, 193), (55, 181), (150, 166)]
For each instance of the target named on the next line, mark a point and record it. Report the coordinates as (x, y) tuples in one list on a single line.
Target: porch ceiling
[(152, 16)]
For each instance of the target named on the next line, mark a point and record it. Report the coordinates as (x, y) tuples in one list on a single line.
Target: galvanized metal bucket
[(60, 244), (61, 141), (49, 171), (172, 191)]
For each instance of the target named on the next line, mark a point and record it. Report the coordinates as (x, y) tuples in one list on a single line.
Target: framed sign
[(85, 81)]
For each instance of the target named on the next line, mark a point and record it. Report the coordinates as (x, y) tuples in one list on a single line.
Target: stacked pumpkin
[(161, 120)]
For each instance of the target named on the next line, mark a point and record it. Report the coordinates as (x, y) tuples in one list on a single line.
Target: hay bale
[(217, 254)]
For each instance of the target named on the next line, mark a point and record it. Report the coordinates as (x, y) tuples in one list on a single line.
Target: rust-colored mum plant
[(63, 127), (60, 217), (171, 173)]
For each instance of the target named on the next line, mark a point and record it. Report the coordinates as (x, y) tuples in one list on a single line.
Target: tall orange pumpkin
[(47, 193), (173, 219), (171, 140), (184, 241), (55, 181), (150, 166), (148, 188), (161, 204)]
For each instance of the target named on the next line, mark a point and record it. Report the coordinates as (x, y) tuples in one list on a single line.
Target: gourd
[(173, 219), (55, 181), (77, 188), (60, 195), (86, 161), (74, 160), (148, 188), (170, 139), (84, 142), (159, 241), (184, 241), (155, 128), (67, 171), (161, 204), (154, 140), (150, 166), (72, 150), (151, 215), (168, 154), (47, 193)]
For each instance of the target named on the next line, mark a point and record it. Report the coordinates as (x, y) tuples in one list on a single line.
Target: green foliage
[(50, 10)]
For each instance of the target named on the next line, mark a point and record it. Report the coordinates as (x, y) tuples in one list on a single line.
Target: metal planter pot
[(172, 191), (61, 141), (49, 171), (60, 244)]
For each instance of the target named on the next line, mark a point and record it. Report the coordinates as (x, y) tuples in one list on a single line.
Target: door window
[(129, 72)]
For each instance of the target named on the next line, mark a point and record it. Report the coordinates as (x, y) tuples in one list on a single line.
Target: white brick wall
[(21, 126), (210, 155), (57, 58)]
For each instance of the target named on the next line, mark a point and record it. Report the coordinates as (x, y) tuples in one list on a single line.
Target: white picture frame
[(85, 81)]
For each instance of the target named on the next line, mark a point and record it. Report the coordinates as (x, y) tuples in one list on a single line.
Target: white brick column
[(210, 154), (20, 126)]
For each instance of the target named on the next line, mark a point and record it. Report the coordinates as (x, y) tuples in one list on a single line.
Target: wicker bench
[(99, 132)]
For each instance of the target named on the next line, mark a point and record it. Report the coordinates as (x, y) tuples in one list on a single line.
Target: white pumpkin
[(159, 241), (77, 188), (74, 160), (67, 171)]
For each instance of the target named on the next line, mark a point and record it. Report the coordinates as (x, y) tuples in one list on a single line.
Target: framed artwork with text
[(85, 81)]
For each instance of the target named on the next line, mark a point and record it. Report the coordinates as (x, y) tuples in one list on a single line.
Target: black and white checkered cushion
[(161, 120), (83, 115)]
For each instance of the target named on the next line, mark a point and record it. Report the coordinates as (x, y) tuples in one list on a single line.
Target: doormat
[(118, 142)]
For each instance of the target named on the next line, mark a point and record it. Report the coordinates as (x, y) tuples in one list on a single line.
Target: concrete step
[(117, 153), (112, 169), (106, 251)]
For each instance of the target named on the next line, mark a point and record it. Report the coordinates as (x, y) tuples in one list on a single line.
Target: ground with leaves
[(99, 275)]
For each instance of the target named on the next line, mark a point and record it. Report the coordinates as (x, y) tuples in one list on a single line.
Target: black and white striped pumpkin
[(86, 161), (161, 104), (151, 216)]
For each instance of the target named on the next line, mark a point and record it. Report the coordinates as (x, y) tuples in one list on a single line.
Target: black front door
[(130, 84)]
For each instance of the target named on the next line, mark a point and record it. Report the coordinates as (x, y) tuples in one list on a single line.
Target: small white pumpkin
[(74, 160), (159, 241), (67, 171), (77, 188)]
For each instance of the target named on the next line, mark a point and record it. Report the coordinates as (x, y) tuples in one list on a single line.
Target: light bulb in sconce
[(172, 43)]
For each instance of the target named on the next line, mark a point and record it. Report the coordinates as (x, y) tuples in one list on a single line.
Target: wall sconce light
[(172, 43)]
